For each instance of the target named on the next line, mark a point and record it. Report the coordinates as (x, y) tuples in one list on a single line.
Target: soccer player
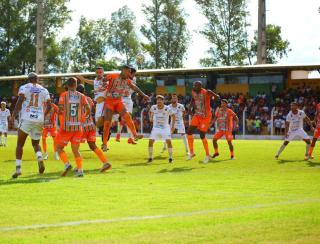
[(179, 112), (4, 121), (99, 86), (225, 118), (31, 101), (159, 116), (89, 134), (117, 85), (50, 127), (127, 100), (316, 134), (294, 128), (72, 105), (201, 119)]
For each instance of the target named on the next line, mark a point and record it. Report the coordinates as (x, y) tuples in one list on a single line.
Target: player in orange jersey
[(72, 105), (117, 85), (50, 127), (316, 134), (225, 118), (201, 119), (89, 134)]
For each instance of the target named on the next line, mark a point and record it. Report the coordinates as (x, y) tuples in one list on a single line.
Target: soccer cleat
[(190, 156), (104, 148), (131, 141), (215, 155), (150, 160), (307, 157), (16, 174), (41, 167), (105, 167), (118, 137), (56, 156), (276, 157), (79, 173), (311, 157), (206, 159), (75, 171), (232, 157), (45, 156), (66, 170), (138, 137), (170, 160)]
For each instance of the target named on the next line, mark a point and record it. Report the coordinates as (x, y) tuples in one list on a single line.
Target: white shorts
[(297, 134), (180, 128), (128, 104), (99, 110), (160, 134), (3, 128), (33, 129)]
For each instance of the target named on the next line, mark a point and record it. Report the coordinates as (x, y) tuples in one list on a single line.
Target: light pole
[(39, 45), (262, 40)]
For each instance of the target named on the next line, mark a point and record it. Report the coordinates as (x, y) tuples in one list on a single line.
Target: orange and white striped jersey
[(202, 103), (72, 104), (225, 119), (88, 124), (117, 87)]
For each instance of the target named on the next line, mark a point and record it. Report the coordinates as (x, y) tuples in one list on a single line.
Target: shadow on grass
[(214, 161), (176, 170), (26, 180), (284, 161), (313, 164)]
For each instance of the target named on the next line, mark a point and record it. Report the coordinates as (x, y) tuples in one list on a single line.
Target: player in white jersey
[(294, 128), (128, 103), (99, 86), (32, 99), (4, 119), (179, 112), (161, 130)]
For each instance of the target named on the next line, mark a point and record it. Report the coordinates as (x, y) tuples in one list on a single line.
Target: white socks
[(170, 152), (5, 140), (150, 152), (18, 165), (307, 149), (185, 141), (281, 149), (39, 155)]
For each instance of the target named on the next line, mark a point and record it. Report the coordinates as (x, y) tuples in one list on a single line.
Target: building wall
[(232, 88)]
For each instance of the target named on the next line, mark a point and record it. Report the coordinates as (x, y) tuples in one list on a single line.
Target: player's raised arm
[(82, 79), (213, 94)]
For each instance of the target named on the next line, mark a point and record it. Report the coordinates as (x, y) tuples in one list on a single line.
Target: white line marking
[(137, 218)]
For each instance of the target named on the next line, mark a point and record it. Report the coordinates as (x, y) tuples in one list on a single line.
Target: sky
[(298, 19)]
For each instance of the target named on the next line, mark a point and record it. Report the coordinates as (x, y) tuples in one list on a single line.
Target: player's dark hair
[(80, 88), (71, 82)]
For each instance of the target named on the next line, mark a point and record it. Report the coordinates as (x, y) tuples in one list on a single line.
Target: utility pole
[(262, 40), (39, 46)]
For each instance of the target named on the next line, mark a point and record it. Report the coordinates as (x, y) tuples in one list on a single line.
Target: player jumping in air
[(4, 122), (201, 119), (72, 105), (225, 118), (159, 117), (117, 85), (31, 102), (294, 128)]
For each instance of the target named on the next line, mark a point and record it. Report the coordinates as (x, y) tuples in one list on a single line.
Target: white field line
[(138, 218)]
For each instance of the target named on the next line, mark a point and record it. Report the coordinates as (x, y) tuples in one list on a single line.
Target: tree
[(225, 30), (90, 44), (18, 33), (123, 37), (166, 33), (277, 47)]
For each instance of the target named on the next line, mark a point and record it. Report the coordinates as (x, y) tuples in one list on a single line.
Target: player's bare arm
[(236, 120), (286, 129), (48, 107), (137, 89), (82, 79), (309, 122), (173, 121), (213, 94), (17, 108)]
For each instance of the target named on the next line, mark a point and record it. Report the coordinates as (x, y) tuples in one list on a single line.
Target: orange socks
[(190, 143), (100, 155), (205, 145), (310, 151), (44, 144), (79, 163), (232, 154), (216, 150), (130, 123), (64, 157), (106, 131)]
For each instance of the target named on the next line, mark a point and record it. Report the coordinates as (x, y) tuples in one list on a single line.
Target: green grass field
[(253, 199)]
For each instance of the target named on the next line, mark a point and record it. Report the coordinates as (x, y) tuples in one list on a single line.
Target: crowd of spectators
[(256, 109)]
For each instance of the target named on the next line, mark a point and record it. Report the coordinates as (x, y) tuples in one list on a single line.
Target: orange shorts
[(202, 123), (227, 134), (116, 105), (316, 133), (64, 137), (89, 136), (52, 131)]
